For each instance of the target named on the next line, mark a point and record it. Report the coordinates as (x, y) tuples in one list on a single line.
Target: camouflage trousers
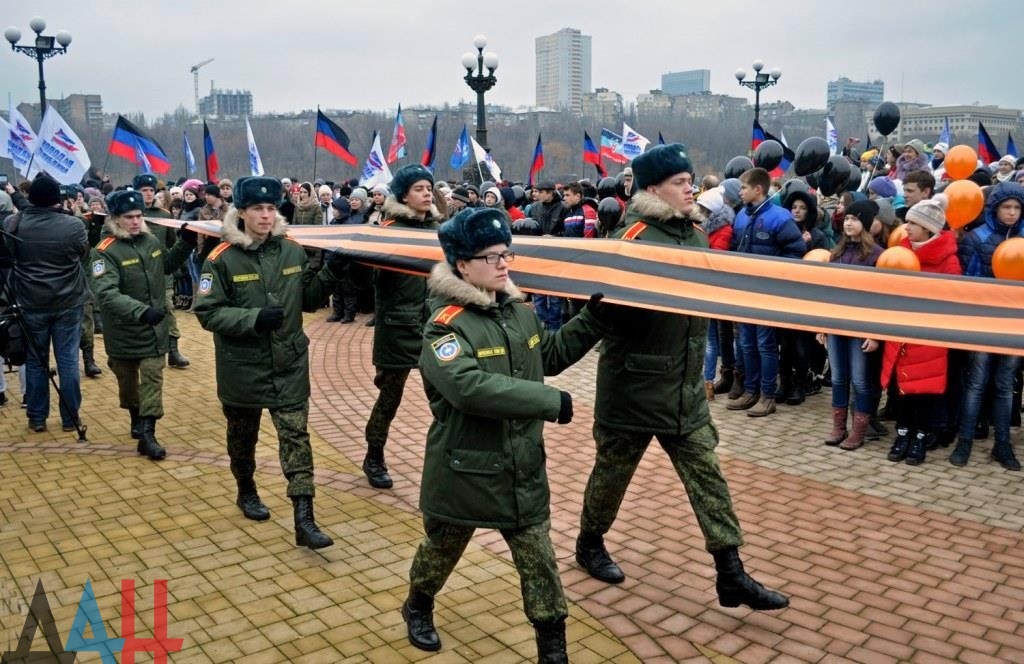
[(693, 456), (294, 449), (89, 313), (391, 383), (172, 325), (140, 384), (532, 553)]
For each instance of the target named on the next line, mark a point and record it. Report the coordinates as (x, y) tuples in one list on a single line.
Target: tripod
[(14, 316)]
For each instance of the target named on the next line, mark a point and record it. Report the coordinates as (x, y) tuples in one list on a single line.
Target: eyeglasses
[(492, 259)]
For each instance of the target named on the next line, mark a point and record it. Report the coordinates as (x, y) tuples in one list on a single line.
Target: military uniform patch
[(99, 267), (446, 348), (205, 284)]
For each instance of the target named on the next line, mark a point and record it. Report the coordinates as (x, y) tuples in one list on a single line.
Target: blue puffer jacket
[(767, 230), (977, 247)]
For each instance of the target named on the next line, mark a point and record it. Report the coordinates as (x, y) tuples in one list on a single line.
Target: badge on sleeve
[(99, 267), (205, 284), (446, 348)]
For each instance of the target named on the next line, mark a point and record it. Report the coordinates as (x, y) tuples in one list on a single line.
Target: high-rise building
[(226, 104), (843, 89), (689, 82), (603, 106), (78, 110), (563, 69)]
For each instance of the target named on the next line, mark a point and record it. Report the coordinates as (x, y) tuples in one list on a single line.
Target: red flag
[(538, 162), (333, 138), (591, 155), (211, 155), (986, 147)]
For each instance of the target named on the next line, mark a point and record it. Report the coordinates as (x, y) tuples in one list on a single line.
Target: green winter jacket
[(400, 299), (240, 277), (483, 366), (650, 372), (128, 278)]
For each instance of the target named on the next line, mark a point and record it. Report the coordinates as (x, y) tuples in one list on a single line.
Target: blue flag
[(1011, 147), (945, 137), (460, 155), (141, 159), (190, 159)]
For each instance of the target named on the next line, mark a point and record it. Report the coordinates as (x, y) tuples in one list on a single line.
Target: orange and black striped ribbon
[(944, 310)]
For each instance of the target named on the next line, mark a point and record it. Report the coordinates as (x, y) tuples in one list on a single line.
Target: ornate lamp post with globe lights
[(42, 49), (480, 82), (760, 82)]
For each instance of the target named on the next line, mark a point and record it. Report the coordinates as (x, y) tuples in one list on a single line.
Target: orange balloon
[(966, 201), (899, 258), (1008, 259), (960, 162), (897, 235), (818, 255)]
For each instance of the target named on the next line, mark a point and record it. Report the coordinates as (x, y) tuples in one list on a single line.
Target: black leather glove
[(565, 411), (269, 319), (188, 236), (152, 316), (605, 313)]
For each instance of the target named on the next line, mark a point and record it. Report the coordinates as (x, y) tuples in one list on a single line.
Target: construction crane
[(195, 80)]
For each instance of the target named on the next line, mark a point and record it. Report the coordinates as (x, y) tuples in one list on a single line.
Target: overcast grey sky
[(373, 55)]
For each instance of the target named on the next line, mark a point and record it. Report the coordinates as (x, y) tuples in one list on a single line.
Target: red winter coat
[(922, 369), (720, 239)]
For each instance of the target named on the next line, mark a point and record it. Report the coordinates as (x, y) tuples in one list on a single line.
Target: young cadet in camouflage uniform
[(128, 268), (484, 358), (650, 385), (253, 289), (146, 184), (400, 312)]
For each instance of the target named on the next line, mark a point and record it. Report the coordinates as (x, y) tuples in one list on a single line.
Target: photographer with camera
[(50, 288)]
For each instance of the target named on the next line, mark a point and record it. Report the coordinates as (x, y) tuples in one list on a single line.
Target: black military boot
[(249, 501), (306, 531), (350, 304), (174, 358), (337, 310), (962, 452), (724, 382), (735, 586), (92, 369), (551, 642), (375, 468), (136, 424), (593, 557), (418, 612), (148, 444)]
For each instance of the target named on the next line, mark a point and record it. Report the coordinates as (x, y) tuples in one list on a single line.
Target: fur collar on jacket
[(649, 207), (392, 209), (233, 231), (444, 283), (115, 229)]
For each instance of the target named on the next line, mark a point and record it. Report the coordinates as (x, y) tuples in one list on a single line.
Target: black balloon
[(790, 186), (737, 166), (768, 155), (887, 116), (813, 179), (853, 184), (609, 211), (835, 175), (811, 155)]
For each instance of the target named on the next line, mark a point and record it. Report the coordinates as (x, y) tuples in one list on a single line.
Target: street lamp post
[(480, 82), (42, 49), (760, 82)]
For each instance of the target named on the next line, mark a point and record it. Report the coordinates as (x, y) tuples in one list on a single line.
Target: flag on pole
[(397, 148), (945, 136), (59, 151), (375, 170), (538, 162), (333, 138), (13, 147), (21, 140), (757, 135), (142, 160), (479, 154), (986, 148), (611, 147), (127, 137), (212, 166), (633, 144), (460, 155), (255, 163), (1011, 147), (831, 136), (591, 155), (190, 159), (430, 151), (661, 139)]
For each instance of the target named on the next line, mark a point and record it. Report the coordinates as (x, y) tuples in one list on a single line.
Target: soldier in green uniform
[(95, 220), (484, 358), (146, 184), (400, 312), (253, 289), (650, 385), (128, 268)]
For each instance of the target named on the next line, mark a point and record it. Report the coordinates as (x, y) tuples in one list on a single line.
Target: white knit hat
[(929, 214)]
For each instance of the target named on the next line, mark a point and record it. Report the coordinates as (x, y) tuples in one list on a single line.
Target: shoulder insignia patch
[(157, 253), (387, 222), (205, 283), (446, 348), (107, 241), (448, 314), (533, 341), (99, 267), (634, 231), (218, 250)]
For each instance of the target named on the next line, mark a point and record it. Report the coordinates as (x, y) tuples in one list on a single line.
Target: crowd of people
[(83, 261)]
